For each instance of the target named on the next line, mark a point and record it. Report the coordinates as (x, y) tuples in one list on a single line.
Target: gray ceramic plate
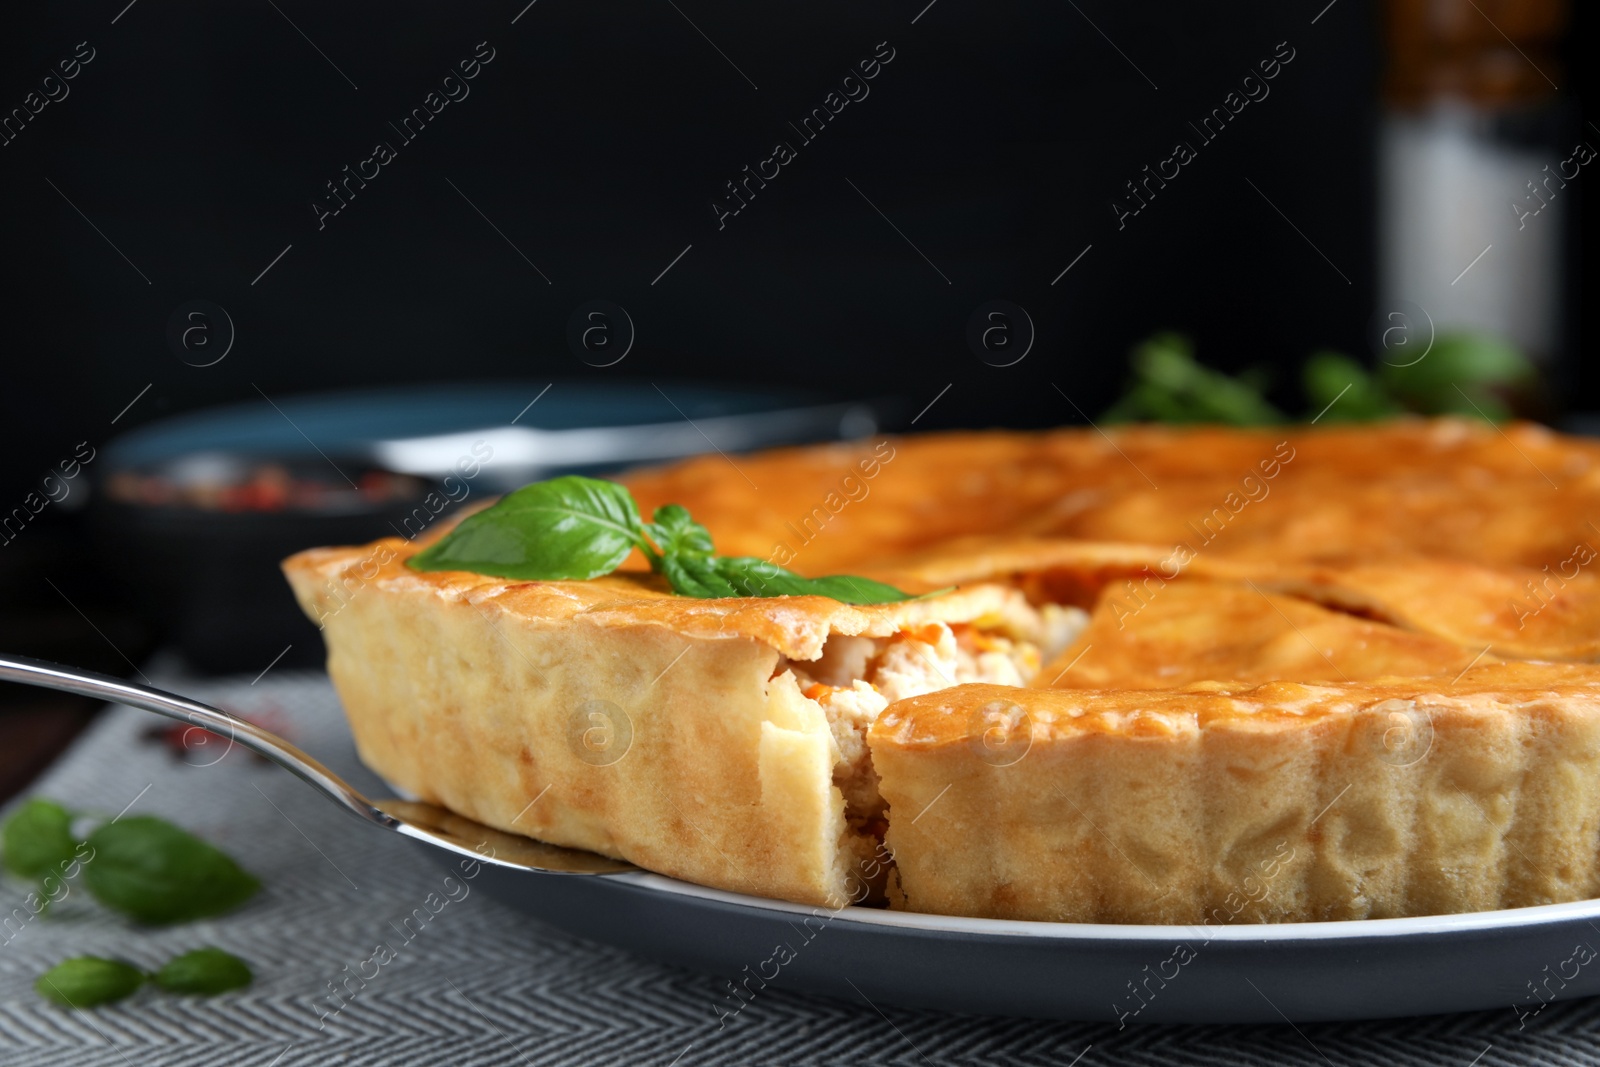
[(1513, 960)]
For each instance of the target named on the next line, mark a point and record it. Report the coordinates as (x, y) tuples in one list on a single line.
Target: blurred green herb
[(144, 867), (1342, 390), (1170, 386), (1462, 374), (1459, 373), (88, 981)]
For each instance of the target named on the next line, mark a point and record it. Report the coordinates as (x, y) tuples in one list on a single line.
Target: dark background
[(595, 141), (593, 144)]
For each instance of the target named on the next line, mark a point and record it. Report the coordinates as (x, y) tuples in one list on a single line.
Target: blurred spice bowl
[(200, 537), (224, 483)]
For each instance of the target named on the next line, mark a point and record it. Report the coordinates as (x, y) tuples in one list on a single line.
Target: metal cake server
[(428, 823)]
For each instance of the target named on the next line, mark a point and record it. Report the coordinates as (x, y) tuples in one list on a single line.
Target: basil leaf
[(84, 981), (569, 528), (205, 971), (675, 533), (38, 839), (1343, 391), (155, 872), (751, 576), (697, 576)]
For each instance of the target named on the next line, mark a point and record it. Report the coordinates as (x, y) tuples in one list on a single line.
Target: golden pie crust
[(1198, 630), (1277, 620), (1226, 802)]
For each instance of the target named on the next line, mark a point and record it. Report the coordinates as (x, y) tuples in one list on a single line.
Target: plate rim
[(1500, 920)]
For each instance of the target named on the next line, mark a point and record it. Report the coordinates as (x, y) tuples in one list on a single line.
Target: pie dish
[(1195, 675)]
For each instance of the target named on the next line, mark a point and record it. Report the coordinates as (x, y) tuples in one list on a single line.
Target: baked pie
[(1330, 673)]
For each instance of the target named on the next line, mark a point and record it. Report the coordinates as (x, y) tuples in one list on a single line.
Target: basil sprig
[(574, 528)]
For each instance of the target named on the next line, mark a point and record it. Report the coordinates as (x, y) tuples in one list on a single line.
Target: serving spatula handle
[(417, 820), (49, 675)]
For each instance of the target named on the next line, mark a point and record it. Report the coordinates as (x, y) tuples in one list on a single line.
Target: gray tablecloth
[(484, 985)]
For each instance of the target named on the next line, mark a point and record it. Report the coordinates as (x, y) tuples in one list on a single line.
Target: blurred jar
[(1477, 157)]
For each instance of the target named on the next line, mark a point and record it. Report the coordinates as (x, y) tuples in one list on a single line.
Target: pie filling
[(856, 678)]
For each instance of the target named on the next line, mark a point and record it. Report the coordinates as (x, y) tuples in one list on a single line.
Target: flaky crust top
[(1448, 487), (965, 714)]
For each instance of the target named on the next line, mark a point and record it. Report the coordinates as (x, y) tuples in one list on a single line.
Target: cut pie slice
[(720, 741)]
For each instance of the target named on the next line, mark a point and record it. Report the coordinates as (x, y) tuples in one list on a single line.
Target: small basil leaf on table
[(84, 981), (155, 872), (38, 839), (204, 971), (569, 528)]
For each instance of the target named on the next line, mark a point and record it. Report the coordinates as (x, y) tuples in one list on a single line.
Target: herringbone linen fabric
[(481, 984)]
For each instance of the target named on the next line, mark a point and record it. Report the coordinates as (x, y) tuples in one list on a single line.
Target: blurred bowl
[(197, 540)]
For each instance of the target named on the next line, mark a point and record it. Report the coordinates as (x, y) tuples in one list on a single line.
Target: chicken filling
[(855, 678)]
